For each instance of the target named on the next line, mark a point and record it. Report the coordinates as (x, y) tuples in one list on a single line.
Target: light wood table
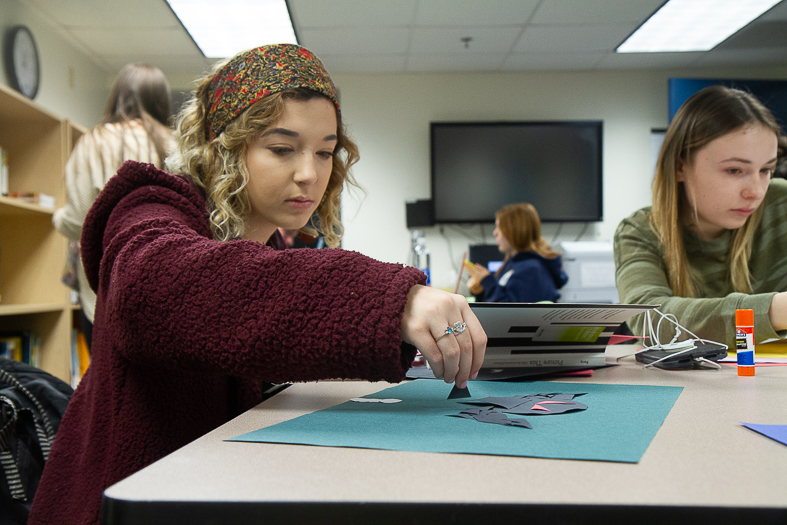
[(702, 465)]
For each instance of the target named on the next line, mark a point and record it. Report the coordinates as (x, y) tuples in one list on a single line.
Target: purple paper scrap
[(775, 432)]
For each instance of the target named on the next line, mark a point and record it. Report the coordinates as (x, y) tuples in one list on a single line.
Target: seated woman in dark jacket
[(531, 271)]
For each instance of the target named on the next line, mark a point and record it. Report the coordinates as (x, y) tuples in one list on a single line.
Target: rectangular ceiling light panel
[(693, 25), (222, 29)]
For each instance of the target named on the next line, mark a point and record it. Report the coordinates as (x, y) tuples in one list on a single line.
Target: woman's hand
[(455, 357), (474, 286), (778, 311), (476, 271)]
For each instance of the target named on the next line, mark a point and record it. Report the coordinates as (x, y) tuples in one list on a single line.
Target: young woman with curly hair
[(199, 304)]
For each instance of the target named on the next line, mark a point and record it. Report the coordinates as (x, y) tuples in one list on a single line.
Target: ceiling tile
[(519, 61), (388, 40), (777, 12), (744, 57), (351, 13), (757, 35), (449, 40), (146, 41), (648, 60), (103, 14), (572, 38), (363, 63), (474, 12), (415, 35), (595, 11), (454, 62)]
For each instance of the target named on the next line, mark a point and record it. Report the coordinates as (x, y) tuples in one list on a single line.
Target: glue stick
[(744, 341)]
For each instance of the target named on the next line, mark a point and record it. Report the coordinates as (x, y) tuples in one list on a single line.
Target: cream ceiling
[(417, 35)]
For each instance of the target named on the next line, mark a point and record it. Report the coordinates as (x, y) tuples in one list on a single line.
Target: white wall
[(388, 115), (72, 85)]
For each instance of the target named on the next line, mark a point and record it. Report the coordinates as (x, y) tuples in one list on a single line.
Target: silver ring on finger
[(457, 329)]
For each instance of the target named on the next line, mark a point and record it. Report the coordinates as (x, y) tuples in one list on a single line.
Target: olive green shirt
[(642, 277)]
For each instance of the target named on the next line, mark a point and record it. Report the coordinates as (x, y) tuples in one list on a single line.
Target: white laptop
[(538, 338)]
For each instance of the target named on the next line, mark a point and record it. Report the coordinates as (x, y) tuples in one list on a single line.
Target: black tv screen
[(479, 167)]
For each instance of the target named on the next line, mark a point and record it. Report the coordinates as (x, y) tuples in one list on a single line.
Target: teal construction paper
[(619, 424)]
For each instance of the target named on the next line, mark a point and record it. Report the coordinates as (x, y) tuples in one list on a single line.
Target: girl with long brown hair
[(135, 126), (714, 239)]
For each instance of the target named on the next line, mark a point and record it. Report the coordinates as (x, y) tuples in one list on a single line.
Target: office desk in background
[(702, 465)]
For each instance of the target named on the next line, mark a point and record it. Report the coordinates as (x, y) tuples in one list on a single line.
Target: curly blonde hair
[(219, 166)]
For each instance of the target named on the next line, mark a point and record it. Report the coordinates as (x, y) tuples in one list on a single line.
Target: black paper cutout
[(492, 415), (494, 409), (459, 393)]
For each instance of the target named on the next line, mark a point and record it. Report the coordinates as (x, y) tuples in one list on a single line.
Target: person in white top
[(136, 126)]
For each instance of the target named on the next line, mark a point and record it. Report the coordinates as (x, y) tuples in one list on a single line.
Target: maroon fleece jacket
[(187, 328)]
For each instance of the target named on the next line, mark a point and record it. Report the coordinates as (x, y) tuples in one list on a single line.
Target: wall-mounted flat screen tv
[(478, 167)]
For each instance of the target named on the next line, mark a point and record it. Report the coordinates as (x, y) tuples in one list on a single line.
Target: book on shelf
[(80, 357), (34, 197), (20, 345), (11, 348), (3, 172)]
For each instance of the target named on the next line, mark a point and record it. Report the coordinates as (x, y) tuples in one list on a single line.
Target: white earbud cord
[(681, 346)]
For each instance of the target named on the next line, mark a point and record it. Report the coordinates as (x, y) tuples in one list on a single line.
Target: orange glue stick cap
[(744, 317)]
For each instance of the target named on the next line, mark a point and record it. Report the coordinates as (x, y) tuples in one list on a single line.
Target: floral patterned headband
[(257, 73)]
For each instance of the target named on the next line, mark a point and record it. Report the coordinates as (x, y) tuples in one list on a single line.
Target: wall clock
[(21, 61)]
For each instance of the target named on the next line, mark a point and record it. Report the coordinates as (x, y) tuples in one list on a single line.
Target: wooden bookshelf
[(32, 253)]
